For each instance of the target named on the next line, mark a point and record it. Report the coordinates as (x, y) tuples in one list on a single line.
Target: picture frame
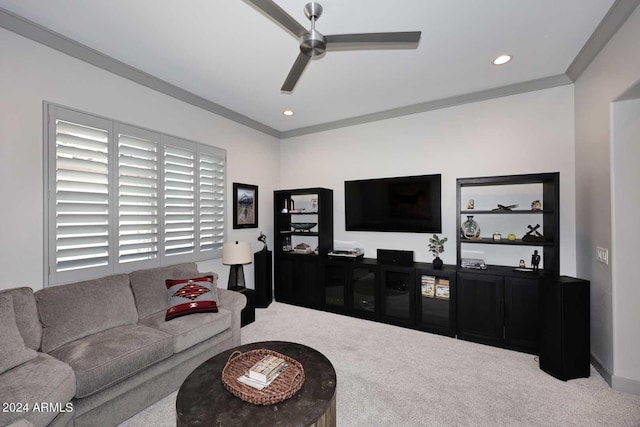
[(245, 205)]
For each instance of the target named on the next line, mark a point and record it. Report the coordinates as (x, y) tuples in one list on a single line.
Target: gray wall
[(615, 339), (625, 152)]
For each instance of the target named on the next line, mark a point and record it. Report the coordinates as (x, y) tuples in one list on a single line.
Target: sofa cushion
[(26, 312), (69, 312), (104, 358), (190, 330), (12, 349), (149, 286), (188, 296), (43, 379)]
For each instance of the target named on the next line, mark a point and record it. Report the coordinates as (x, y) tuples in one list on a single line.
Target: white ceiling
[(232, 55)]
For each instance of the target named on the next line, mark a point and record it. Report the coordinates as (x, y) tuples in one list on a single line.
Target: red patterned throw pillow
[(187, 296)]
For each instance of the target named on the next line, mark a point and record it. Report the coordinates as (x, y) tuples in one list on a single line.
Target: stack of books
[(264, 372)]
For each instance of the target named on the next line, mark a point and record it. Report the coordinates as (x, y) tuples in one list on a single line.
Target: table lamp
[(236, 254)]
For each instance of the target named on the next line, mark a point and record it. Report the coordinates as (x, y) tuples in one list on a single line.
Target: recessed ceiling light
[(288, 113), (502, 59)]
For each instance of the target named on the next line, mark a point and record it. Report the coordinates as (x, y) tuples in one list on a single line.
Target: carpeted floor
[(391, 376)]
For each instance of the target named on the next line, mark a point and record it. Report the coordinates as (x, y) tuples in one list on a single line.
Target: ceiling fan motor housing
[(313, 43)]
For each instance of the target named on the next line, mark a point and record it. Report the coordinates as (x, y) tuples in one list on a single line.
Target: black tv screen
[(403, 204)]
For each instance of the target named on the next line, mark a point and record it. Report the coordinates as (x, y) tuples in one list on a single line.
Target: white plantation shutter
[(122, 198), (138, 194), (212, 197), (179, 176), (80, 220)]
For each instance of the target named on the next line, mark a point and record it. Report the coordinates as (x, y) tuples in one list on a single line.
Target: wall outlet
[(602, 255)]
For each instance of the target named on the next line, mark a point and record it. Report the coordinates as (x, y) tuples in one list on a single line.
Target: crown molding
[(610, 24), (514, 89), (42, 35), (630, 94)]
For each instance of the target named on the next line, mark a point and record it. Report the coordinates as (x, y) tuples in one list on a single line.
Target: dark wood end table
[(248, 314), (203, 400)]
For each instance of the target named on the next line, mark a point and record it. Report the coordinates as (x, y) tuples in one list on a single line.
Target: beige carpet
[(391, 376)]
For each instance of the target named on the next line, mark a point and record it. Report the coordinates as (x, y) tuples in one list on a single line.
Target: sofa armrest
[(235, 302)]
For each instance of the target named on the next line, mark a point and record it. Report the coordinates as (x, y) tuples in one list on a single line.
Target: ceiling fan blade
[(280, 16), (399, 39), (298, 67)]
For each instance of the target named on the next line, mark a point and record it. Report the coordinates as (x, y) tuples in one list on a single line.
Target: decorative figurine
[(521, 264), (511, 236), (504, 208), (533, 234), (262, 238), (470, 204), (535, 260), (536, 205)]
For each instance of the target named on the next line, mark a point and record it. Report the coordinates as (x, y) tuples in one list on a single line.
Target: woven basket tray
[(282, 388)]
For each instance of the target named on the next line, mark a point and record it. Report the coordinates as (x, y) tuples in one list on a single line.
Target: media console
[(411, 295), (522, 311), (537, 312)]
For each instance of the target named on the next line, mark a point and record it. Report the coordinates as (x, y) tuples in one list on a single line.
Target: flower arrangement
[(436, 245)]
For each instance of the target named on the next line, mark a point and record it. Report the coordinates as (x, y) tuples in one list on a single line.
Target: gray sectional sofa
[(94, 353)]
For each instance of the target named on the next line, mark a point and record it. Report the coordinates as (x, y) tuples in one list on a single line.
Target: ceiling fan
[(313, 43)]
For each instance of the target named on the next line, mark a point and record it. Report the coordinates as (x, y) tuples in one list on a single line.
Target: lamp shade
[(236, 253)]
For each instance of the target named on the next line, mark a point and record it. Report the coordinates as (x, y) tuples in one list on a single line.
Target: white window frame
[(52, 113)]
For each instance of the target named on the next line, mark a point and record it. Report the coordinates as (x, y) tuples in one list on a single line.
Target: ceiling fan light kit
[(313, 43)]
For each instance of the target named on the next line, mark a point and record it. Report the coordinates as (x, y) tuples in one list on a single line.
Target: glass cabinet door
[(397, 288), (434, 300), (334, 284), (364, 290)]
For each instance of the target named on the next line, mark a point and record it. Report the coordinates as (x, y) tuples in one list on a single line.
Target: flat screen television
[(401, 204)]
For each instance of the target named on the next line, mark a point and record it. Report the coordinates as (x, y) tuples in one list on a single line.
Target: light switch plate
[(602, 255)]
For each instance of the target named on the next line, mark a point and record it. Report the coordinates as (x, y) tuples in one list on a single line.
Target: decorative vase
[(470, 229), (437, 263)]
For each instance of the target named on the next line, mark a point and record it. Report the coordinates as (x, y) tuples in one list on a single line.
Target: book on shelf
[(428, 284), (442, 290), (304, 251), (266, 369), (303, 248)]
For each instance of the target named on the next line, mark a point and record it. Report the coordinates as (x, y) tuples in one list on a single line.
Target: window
[(121, 198)]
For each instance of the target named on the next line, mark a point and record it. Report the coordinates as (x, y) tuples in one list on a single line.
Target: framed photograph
[(245, 205)]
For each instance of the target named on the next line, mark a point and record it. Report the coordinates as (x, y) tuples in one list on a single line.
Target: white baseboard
[(604, 372), (626, 385)]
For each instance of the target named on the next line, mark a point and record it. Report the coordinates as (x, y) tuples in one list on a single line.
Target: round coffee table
[(203, 400)]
